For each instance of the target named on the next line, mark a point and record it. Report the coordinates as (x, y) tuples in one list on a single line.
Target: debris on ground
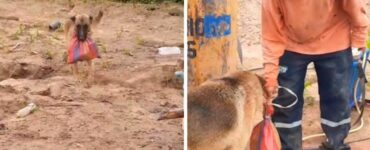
[(55, 25), (171, 114), (169, 51), (14, 18), (26, 110), (179, 75)]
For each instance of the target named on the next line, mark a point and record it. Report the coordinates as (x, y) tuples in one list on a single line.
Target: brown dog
[(222, 112), (82, 25)]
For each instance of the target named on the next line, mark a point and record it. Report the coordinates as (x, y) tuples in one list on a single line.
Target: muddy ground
[(133, 83), (249, 33)]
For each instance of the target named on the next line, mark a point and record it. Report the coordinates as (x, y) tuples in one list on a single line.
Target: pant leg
[(334, 73), (293, 67)]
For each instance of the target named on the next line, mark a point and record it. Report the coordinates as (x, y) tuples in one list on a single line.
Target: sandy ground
[(249, 33), (133, 82)]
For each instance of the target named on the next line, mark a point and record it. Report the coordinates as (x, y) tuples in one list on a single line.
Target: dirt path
[(249, 33), (133, 83)]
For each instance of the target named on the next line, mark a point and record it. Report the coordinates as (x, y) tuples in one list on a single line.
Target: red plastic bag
[(264, 135), (79, 51)]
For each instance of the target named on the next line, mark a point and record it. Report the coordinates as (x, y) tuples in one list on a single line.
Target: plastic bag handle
[(291, 105), (268, 110)]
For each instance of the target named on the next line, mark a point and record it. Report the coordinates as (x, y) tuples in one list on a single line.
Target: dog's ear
[(91, 18), (261, 79), (73, 18), (100, 14), (96, 19)]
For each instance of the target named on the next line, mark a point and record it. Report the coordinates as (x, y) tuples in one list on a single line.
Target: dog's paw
[(78, 79)]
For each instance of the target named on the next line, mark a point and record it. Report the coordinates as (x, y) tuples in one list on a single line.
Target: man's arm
[(273, 41), (356, 12)]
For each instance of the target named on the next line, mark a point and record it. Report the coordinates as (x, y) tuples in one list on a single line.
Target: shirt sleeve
[(356, 12), (273, 40)]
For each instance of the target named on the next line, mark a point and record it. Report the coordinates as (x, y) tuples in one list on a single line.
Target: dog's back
[(222, 112)]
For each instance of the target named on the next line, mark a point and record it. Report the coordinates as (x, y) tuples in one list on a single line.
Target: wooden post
[(212, 39)]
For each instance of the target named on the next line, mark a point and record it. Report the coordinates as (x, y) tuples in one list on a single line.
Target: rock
[(6, 68), (142, 145), (174, 106), (68, 99), (151, 8), (140, 112), (26, 68), (41, 90), (13, 85), (155, 110), (55, 89), (175, 12), (2, 126), (165, 104)]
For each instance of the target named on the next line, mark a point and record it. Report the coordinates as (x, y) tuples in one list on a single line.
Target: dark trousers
[(333, 73)]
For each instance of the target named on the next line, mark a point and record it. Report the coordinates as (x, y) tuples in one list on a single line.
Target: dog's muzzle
[(82, 31)]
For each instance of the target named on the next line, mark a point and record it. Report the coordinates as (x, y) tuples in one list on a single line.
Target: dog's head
[(82, 25)]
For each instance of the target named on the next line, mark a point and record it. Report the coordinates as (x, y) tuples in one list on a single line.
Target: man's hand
[(357, 52), (271, 94), (362, 49)]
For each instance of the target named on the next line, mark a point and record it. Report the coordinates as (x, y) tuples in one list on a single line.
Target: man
[(298, 32)]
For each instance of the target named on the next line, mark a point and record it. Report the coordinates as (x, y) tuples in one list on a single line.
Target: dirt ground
[(249, 33), (133, 83)]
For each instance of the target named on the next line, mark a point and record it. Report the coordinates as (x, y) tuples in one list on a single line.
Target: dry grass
[(140, 41), (127, 52), (106, 64)]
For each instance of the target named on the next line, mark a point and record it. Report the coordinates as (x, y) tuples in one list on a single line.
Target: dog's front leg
[(91, 72), (75, 72)]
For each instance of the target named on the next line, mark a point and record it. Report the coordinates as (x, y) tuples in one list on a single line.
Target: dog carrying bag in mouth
[(264, 135), (81, 50)]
